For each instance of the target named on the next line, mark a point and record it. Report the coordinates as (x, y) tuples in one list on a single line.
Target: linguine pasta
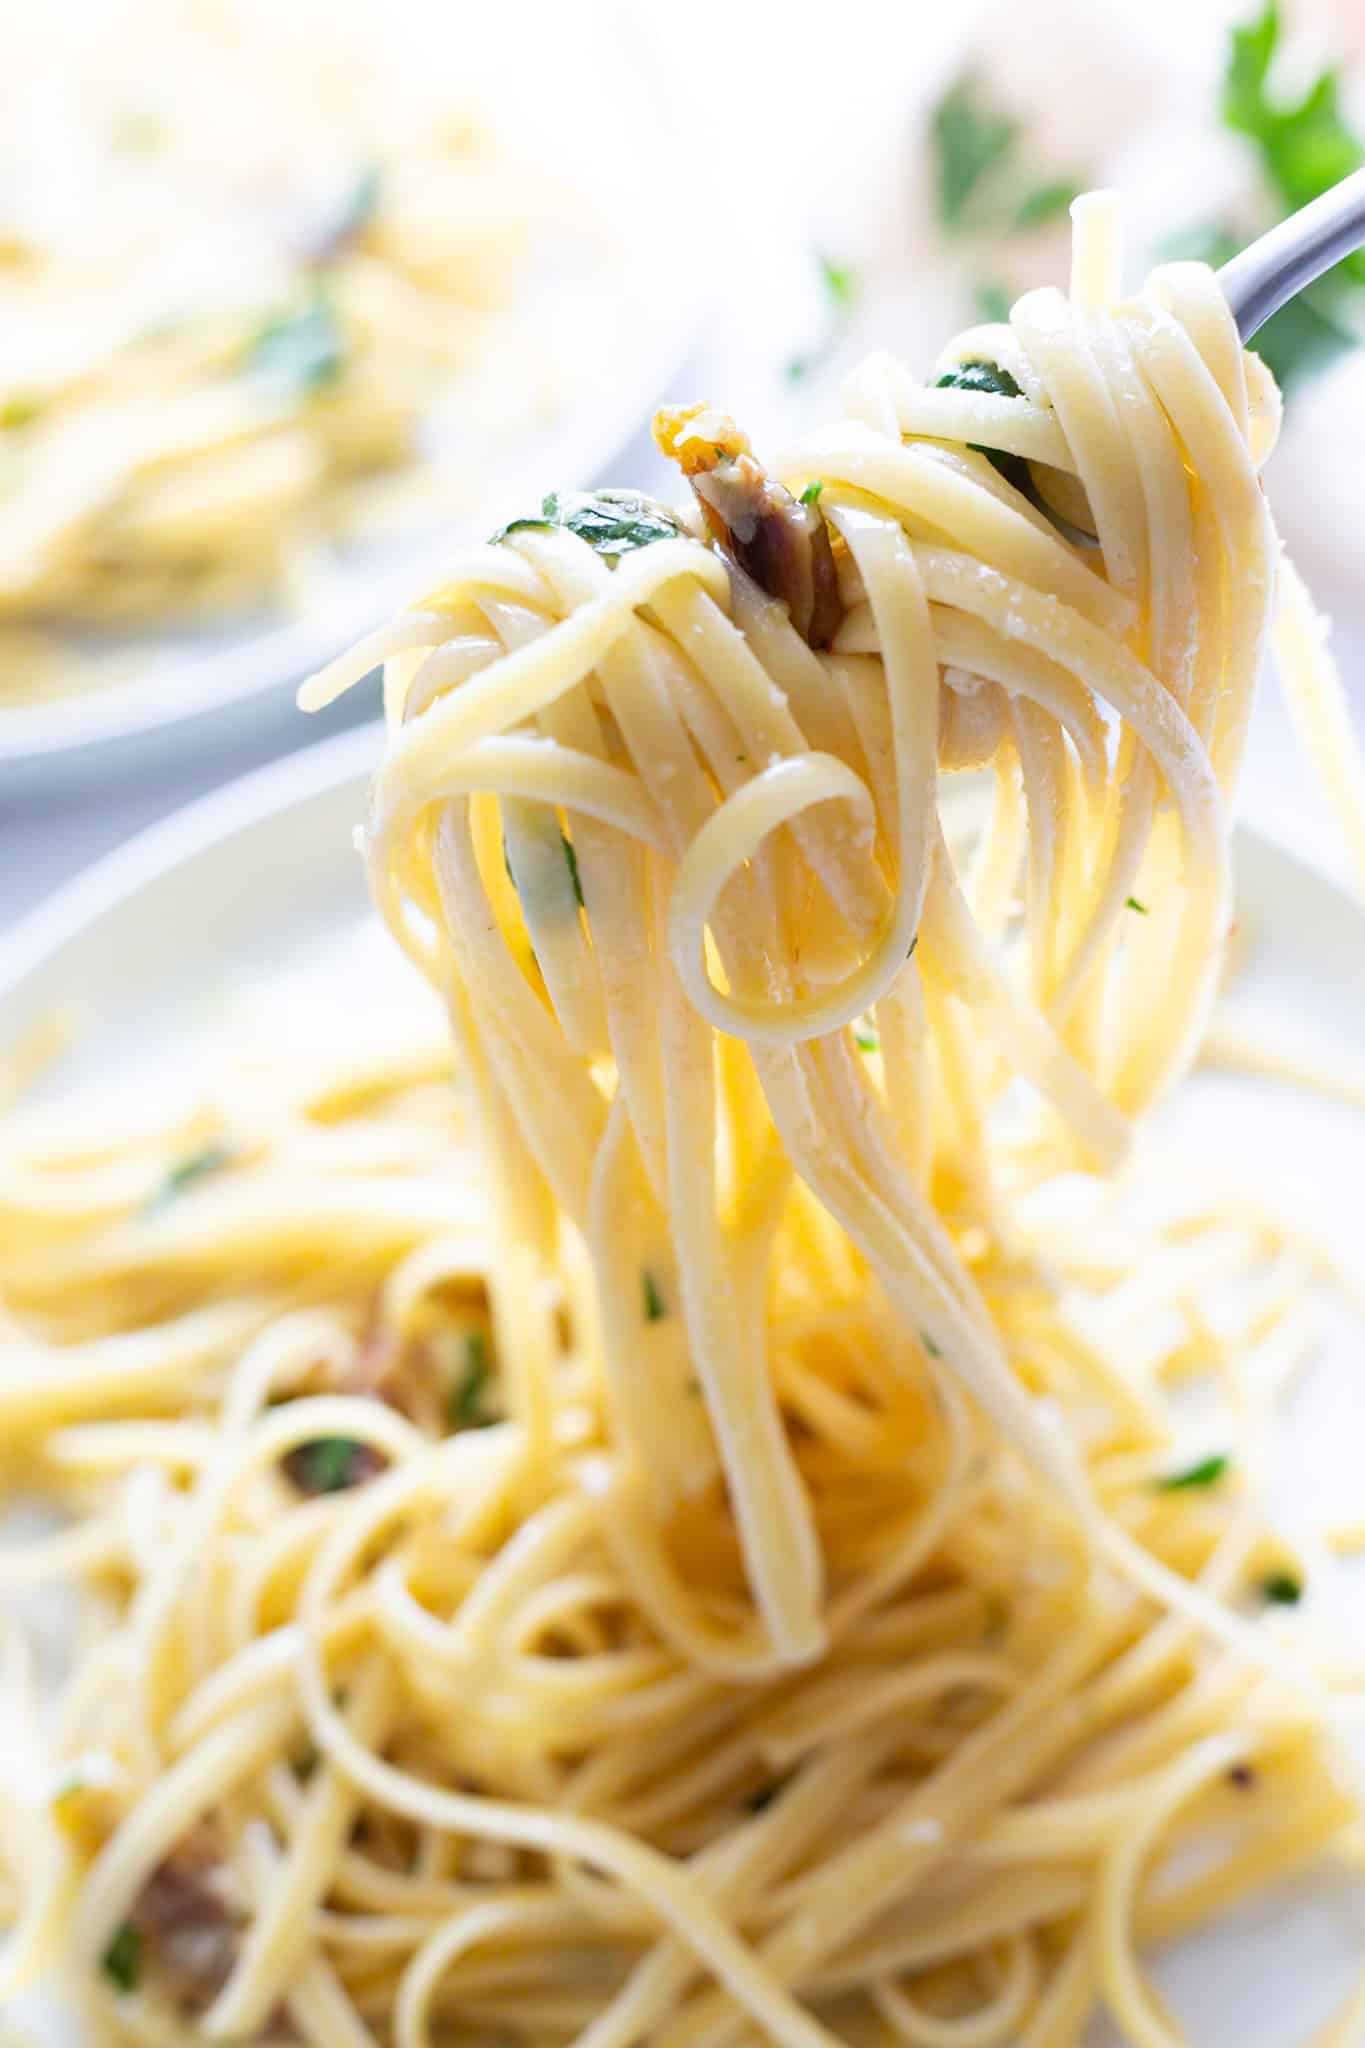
[(691, 1536)]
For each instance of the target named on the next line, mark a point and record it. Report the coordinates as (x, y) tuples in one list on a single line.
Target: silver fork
[(1283, 261)]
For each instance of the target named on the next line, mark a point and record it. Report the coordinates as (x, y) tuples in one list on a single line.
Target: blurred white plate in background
[(581, 89)]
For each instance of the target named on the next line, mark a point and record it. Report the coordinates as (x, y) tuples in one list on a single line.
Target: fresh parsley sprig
[(1303, 145), (467, 1405), (983, 179), (614, 523), (1203, 1473)]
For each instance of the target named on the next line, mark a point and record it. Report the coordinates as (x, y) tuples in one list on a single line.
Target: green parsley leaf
[(571, 861), (572, 858), (331, 1464), (1206, 1472), (653, 1300), (811, 494), (1132, 903), (977, 375), (840, 281), (1303, 337), (123, 1958), (1282, 1589), (991, 301), (527, 525), (1046, 201), (466, 1405), (614, 523), (302, 350), (990, 377), (927, 1341), (969, 139), (1250, 49), (867, 1041), (1305, 145), (212, 1159)]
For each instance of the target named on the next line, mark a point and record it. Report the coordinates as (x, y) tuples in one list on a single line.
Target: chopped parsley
[(840, 281), (1205, 1472), (570, 861), (466, 1404), (927, 1341), (1303, 146), (811, 494), (572, 858), (303, 350), (211, 1159), (331, 1464), (614, 523), (1131, 903), (867, 1041), (123, 1958), (970, 139), (982, 177), (653, 1300), (1048, 200), (977, 375), (1282, 1589)]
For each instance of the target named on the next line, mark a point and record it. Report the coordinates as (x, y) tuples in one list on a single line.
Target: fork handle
[(1267, 274)]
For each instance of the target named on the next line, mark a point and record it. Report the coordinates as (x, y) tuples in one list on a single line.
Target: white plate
[(597, 108), (147, 948)]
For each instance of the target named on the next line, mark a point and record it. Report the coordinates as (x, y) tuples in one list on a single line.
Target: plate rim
[(192, 828)]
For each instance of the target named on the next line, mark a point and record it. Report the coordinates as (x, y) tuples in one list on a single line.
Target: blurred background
[(293, 297)]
